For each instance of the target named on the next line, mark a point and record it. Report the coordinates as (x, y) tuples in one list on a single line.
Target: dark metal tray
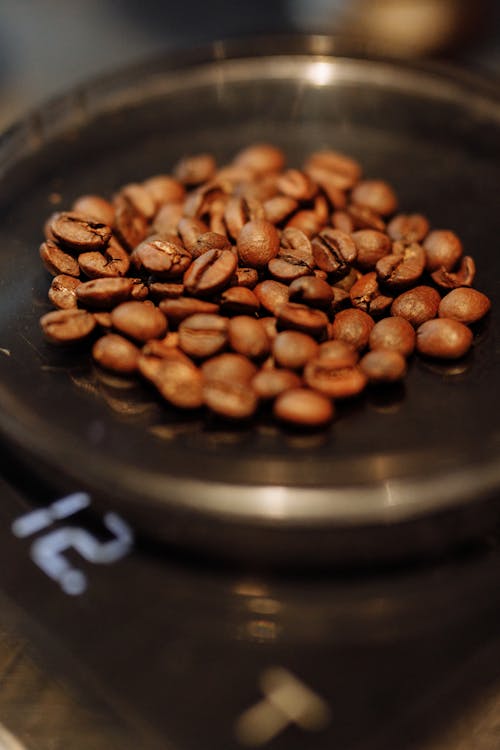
[(400, 471)]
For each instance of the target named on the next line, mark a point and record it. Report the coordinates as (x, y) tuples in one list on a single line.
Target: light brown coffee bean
[(270, 326), (334, 252), (279, 207), (417, 305), (364, 218), (189, 230), (365, 295), (258, 243), (353, 327), (371, 246), (231, 400), (203, 335), (408, 228), (271, 295), (168, 219), (162, 255), (130, 225), (193, 170), (344, 167), (338, 353), (178, 381), (67, 326), (237, 300), (181, 308), (113, 261), (164, 189), (247, 277), (342, 220), (56, 261), (229, 367), (403, 267), (444, 338), (79, 232), (159, 290), (103, 320), (239, 211), (303, 407), (294, 259), (463, 277), (465, 305), (210, 241), (383, 366), (103, 294), (96, 207), (248, 336), (376, 195), (270, 382), (261, 158), (210, 273), (394, 334), (293, 349), (62, 292), (442, 249), (313, 291), (140, 321), (306, 221), (292, 316), (336, 382), (116, 353), (140, 199)]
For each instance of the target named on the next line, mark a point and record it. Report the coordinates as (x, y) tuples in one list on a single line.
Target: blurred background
[(47, 46)]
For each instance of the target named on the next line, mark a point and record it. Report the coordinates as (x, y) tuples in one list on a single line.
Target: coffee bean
[(371, 246), (167, 220), (383, 366), (181, 308), (139, 290), (328, 378), (79, 232), (103, 320), (162, 255), (130, 225), (116, 353), (338, 353), (248, 336), (271, 295), (364, 218), (258, 243), (210, 273), (303, 407), (231, 400), (203, 335), (159, 290), (140, 199), (334, 251), (344, 168), (293, 349), (348, 281), (261, 158), (394, 334), (365, 295), (442, 249), (292, 316), (443, 338), (237, 300), (464, 305), (340, 300), (193, 170), (270, 382), (239, 211), (270, 326), (114, 261), (463, 277), (297, 184), (140, 321), (353, 327), (199, 201), (96, 207), (403, 267), (247, 277), (310, 290), (67, 326), (178, 382), (417, 305), (168, 346), (376, 195), (209, 241), (342, 220), (62, 292), (56, 261), (408, 228), (229, 367), (306, 221), (103, 294), (279, 207), (164, 189)]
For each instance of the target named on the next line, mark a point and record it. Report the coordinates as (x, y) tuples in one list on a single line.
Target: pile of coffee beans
[(232, 287)]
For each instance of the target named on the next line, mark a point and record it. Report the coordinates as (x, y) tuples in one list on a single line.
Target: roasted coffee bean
[(247, 277), (394, 334), (189, 230), (159, 290), (178, 381), (168, 219), (408, 228), (96, 207), (364, 218), (333, 184), (338, 353), (67, 326), (417, 305), (139, 290), (383, 366), (130, 225), (258, 242), (443, 249), (237, 300), (231, 400), (203, 335), (270, 325), (345, 169), (292, 316), (464, 305), (261, 188), (162, 255), (463, 277), (209, 241), (306, 221), (248, 336), (295, 257), (193, 170), (79, 232), (239, 211), (365, 295), (164, 189), (309, 290), (199, 201), (334, 251), (62, 292), (403, 267), (103, 320), (116, 353), (140, 199), (103, 294), (327, 377), (376, 195), (114, 261), (168, 346), (443, 338), (271, 295), (56, 261), (353, 327), (270, 382), (181, 308), (140, 321), (229, 367), (210, 273), (348, 281), (293, 349), (340, 300), (342, 220), (279, 207), (303, 407), (261, 158), (371, 246)]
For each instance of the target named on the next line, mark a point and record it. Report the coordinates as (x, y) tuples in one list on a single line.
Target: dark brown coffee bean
[(179, 309), (116, 353), (56, 261), (417, 305), (248, 336), (295, 257), (306, 221), (247, 277), (403, 267), (140, 199), (193, 170), (443, 249), (464, 305), (443, 338), (140, 321), (303, 407), (463, 277), (62, 292), (342, 220), (178, 381), (371, 246), (353, 327), (302, 318), (114, 261), (96, 207), (395, 334), (345, 169), (271, 295), (376, 195), (130, 225), (210, 273), (103, 294), (338, 353), (408, 228), (365, 295), (162, 255), (328, 378), (340, 300), (310, 290), (365, 218), (261, 158), (278, 208), (231, 400), (168, 219), (239, 211), (293, 349), (270, 382), (159, 290), (229, 368), (203, 335), (258, 242), (334, 251), (79, 232), (209, 241), (164, 189), (237, 300), (67, 326), (383, 366)]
